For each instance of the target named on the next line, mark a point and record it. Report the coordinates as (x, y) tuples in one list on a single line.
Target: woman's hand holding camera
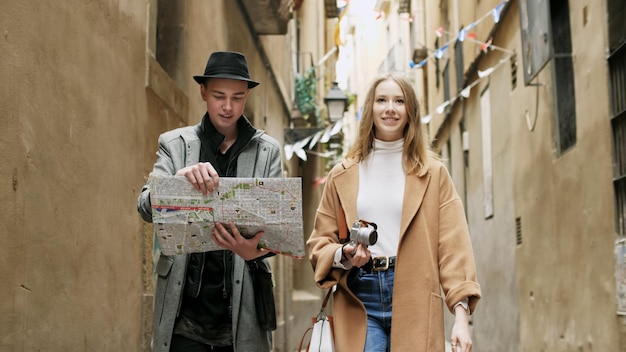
[(357, 254)]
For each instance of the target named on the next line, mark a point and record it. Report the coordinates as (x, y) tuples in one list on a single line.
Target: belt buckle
[(380, 263)]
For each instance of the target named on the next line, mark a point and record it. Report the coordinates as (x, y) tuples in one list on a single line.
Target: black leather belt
[(383, 263)]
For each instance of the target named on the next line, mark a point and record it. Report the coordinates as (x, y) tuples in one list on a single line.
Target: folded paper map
[(184, 218)]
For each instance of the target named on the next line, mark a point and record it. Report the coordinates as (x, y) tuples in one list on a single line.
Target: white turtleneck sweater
[(380, 196), (381, 192)]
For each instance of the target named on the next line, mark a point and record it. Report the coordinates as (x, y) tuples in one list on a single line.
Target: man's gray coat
[(180, 148)]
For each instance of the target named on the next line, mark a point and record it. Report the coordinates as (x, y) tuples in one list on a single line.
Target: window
[(485, 114), (458, 64), (617, 24), (164, 55), (563, 71), (545, 30), (170, 37), (535, 33), (437, 70), (445, 75), (617, 81)]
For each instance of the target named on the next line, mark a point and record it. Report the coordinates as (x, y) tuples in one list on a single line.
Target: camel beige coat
[(434, 254)]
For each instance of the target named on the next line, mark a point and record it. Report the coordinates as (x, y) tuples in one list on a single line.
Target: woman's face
[(389, 111)]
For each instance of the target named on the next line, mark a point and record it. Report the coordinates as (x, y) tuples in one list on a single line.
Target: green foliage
[(351, 100), (306, 94)]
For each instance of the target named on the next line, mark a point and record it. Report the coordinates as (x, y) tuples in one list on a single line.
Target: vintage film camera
[(363, 232)]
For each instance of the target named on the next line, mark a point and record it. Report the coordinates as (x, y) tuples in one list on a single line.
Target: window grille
[(617, 72)]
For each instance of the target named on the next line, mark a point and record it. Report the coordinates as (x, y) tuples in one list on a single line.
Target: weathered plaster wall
[(72, 95), (497, 319), (555, 291), (78, 134), (565, 265)]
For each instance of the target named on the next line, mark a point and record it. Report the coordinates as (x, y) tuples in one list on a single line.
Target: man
[(206, 301)]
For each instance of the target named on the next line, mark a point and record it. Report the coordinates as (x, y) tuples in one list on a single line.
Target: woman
[(391, 178)]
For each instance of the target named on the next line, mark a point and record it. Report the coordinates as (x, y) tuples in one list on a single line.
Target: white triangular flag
[(288, 151), (426, 119), (301, 154), (314, 140), (442, 106), (326, 136), (336, 128), (465, 93), (485, 73), (302, 143)]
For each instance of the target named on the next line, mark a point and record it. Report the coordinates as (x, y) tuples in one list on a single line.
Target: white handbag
[(321, 332)]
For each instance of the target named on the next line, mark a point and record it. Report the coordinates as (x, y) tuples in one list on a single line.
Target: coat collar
[(346, 182)]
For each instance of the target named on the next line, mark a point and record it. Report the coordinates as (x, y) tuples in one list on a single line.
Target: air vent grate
[(513, 72), (518, 231)]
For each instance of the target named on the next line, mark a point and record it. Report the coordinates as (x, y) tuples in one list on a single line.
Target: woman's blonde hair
[(416, 151)]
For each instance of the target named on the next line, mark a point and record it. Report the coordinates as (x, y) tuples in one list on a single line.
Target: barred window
[(617, 79), (617, 71)]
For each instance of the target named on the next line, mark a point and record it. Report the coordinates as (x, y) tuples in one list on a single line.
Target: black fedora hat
[(229, 65)]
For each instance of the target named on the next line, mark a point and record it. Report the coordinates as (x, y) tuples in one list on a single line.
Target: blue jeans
[(375, 290)]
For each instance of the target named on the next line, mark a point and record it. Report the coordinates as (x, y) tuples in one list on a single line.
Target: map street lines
[(184, 218)]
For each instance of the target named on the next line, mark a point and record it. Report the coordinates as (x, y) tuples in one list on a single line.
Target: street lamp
[(335, 102)]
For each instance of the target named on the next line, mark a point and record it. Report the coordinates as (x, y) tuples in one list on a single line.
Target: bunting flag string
[(302, 147), (483, 45), (462, 35), (465, 92)]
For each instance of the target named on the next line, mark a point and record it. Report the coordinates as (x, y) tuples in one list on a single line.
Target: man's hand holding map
[(183, 218)]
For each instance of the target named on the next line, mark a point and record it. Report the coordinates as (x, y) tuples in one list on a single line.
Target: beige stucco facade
[(544, 244), (542, 221), (84, 98)]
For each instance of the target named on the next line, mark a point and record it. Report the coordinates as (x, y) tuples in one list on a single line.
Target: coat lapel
[(347, 186), (414, 190)]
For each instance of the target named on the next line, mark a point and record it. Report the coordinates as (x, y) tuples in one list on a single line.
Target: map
[(184, 218)]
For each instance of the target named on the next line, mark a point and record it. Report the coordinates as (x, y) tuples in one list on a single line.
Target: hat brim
[(202, 79)]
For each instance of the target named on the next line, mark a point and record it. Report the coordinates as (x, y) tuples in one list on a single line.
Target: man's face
[(225, 100)]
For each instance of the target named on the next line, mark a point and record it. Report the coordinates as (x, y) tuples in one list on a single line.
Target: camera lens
[(367, 235)]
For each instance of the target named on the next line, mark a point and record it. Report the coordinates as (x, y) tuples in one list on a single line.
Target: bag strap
[(343, 226), (303, 337), (330, 290), (324, 303)]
